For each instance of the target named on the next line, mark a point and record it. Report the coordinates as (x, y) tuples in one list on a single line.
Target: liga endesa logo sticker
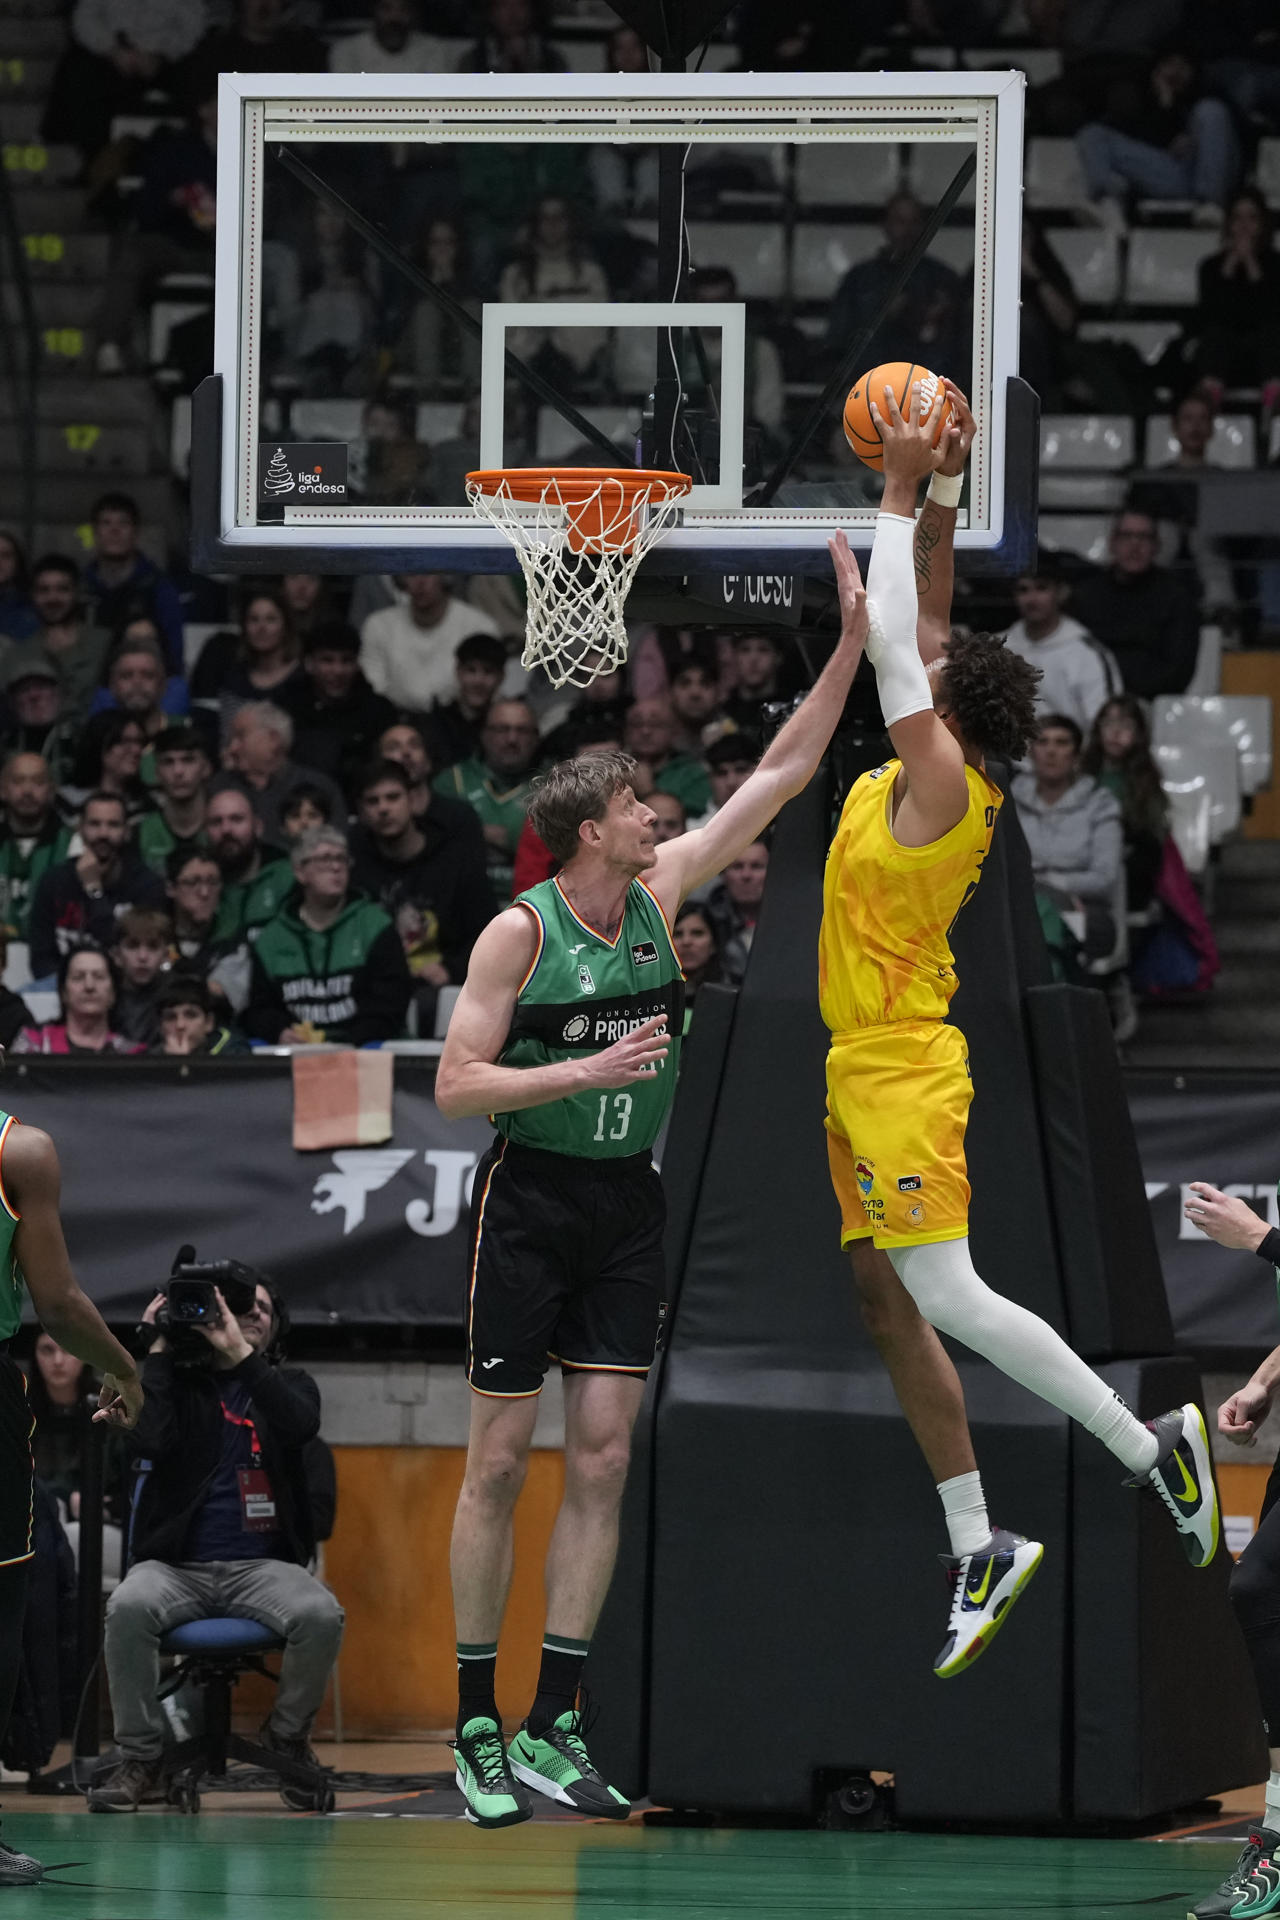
[(298, 473)]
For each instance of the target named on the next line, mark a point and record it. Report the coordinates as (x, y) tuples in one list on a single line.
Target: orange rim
[(530, 483), (603, 503)]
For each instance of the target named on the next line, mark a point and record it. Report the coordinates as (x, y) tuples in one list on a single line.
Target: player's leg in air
[(907, 853)]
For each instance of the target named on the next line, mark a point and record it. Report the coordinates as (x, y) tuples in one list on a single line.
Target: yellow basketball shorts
[(897, 1108)]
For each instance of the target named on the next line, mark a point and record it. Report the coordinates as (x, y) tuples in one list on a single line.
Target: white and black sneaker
[(984, 1587), (18, 1869), (1182, 1478)]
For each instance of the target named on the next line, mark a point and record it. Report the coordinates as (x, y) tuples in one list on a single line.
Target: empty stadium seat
[(1062, 492), (1234, 442), (1217, 763), (1242, 720), (1189, 818), (766, 160), (1163, 264), (180, 436), (194, 636), (326, 419), (838, 175), (1082, 533), (932, 166), (1207, 677), (1054, 175), (1267, 172), (753, 253), (1040, 64), (1100, 440), (1091, 256), (437, 420), (1147, 337), (558, 437), (824, 254)]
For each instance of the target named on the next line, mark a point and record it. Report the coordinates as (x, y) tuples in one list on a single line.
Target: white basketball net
[(579, 556)]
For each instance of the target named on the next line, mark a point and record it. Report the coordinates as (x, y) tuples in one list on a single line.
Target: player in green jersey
[(33, 1252), (567, 1033)]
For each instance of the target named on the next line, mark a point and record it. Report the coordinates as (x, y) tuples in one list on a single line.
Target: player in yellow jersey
[(907, 854)]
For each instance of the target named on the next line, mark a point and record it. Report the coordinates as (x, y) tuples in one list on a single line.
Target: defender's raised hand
[(853, 595)]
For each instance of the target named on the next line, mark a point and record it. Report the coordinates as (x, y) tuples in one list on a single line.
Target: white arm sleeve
[(891, 620)]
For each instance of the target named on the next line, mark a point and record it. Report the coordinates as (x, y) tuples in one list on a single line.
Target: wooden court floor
[(273, 1867)]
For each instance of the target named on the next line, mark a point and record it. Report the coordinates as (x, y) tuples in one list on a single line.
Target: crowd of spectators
[(301, 840), (161, 806)]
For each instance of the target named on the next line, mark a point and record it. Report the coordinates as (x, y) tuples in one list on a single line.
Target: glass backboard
[(418, 276)]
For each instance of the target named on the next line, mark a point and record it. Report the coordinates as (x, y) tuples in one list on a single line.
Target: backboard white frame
[(498, 316), (984, 110)]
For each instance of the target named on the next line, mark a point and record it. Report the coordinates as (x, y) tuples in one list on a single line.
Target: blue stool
[(212, 1655)]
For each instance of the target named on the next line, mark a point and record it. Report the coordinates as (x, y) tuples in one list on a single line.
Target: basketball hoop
[(579, 534)]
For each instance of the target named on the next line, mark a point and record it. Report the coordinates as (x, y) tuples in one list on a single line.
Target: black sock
[(477, 1666), (559, 1677), (13, 1608)]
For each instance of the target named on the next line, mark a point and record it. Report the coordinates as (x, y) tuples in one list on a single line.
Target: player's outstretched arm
[(936, 531), (33, 1183), (787, 767), (937, 794), (469, 1079)]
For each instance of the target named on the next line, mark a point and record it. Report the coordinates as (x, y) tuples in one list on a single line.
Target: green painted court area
[(245, 1868)]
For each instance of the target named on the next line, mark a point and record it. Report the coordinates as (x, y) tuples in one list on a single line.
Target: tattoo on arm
[(928, 534)]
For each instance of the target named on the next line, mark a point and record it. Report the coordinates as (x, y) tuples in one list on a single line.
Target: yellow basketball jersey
[(887, 910)]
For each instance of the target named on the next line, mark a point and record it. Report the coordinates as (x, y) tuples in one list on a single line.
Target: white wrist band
[(945, 489)]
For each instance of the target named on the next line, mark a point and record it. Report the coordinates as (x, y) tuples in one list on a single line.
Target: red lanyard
[(234, 1419)]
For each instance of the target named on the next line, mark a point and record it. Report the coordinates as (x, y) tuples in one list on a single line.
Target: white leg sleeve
[(891, 617), (941, 1280)]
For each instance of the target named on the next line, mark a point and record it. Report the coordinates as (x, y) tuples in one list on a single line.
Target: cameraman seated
[(222, 1524)]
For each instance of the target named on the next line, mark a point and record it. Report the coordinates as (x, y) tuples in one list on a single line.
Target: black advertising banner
[(301, 473), (1223, 1128), (154, 1156)]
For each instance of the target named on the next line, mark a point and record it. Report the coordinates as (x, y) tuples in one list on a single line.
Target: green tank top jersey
[(11, 1281), (581, 994)]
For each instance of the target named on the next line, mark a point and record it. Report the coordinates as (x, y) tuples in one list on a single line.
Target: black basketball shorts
[(15, 1465), (566, 1264)]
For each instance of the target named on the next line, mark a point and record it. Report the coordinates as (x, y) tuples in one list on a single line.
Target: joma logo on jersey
[(643, 952), (585, 980)]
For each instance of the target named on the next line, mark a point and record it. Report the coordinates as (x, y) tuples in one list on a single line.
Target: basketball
[(860, 429)]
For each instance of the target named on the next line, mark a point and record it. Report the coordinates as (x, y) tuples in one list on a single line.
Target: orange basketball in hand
[(860, 428)]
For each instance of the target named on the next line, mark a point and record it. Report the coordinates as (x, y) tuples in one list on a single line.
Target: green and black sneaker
[(557, 1763), (1218, 1905), (484, 1776)]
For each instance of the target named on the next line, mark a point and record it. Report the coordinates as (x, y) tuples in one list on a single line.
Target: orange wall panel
[(388, 1563)]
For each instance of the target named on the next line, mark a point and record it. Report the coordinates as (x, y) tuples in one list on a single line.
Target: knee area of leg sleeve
[(941, 1280), (1253, 1596)]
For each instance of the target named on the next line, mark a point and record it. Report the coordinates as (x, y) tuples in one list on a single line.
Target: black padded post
[(1115, 1294)]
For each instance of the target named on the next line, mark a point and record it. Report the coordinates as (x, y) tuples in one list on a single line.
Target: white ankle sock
[(966, 1510), (1132, 1443), (1271, 1818)]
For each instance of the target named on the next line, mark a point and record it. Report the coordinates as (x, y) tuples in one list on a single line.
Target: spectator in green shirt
[(181, 795), (497, 784), (256, 878), (649, 734), (32, 837)]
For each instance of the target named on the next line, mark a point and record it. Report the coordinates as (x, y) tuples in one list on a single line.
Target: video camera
[(190, 1302)]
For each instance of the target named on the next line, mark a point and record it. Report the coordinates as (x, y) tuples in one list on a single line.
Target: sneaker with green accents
[(484, 1776), (557, 1763)]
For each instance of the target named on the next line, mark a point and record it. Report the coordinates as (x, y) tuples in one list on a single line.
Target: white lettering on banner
[(759, 589), (1236, 1190), (454, 1169)]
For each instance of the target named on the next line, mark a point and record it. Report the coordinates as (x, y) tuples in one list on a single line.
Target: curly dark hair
[(990, 692)]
